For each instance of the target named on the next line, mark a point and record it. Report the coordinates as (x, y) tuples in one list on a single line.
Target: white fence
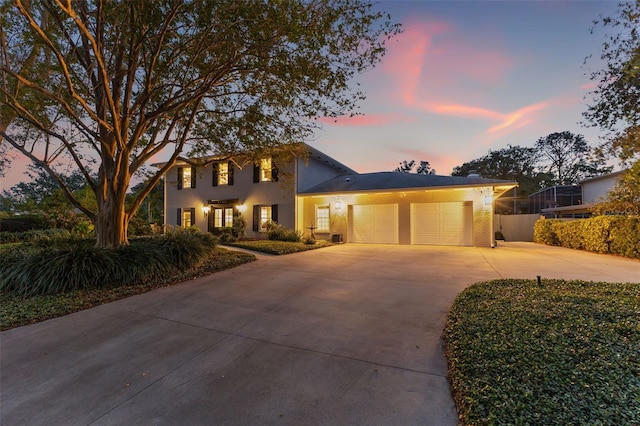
[(515, 227)]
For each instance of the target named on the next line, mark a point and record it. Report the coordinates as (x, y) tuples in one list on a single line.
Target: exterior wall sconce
[(488, 199), (206, 210), (241, 208), (339, 205)]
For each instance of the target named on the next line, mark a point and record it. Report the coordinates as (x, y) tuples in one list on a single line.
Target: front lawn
[(563, 352), (16, 311), (278, 247)]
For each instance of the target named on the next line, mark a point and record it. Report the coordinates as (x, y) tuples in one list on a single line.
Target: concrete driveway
[(343, 335)]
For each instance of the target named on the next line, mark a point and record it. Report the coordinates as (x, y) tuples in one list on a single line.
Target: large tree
[(129, 80), (514, 163), (616, 102), (569, 158)]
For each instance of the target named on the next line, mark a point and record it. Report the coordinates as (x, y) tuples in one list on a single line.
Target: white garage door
[(447, 224), (375, 223)]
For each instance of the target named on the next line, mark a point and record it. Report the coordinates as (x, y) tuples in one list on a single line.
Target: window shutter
[(179, 219), (193, 177), (180, 177), (230, 167), (256, 218), (256, 173), (214, 178), (193, 216), (274, 172), (274, 213)]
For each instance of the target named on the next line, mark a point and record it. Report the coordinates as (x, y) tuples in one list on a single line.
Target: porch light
[(339, 205), (205, 210), (241, 208), (488, 199)]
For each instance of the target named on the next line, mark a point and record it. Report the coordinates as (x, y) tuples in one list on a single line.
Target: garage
[(448, 224), (374, 223)]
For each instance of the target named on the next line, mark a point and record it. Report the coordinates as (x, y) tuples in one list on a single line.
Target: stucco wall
[(482, 214), (244, 189), (593, 191)]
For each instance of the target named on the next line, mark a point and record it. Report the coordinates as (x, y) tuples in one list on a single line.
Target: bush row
[(619, 235), (33, 235), (276, 232), (23, 223), (74, 264)]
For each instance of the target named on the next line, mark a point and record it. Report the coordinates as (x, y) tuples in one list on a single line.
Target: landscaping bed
[(278, 247), (562, 352), (16, 310)]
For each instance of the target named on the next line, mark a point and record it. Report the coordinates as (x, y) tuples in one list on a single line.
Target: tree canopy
[(568, 158), (515, 163), (616, 102), (423, 169), (110, 85)]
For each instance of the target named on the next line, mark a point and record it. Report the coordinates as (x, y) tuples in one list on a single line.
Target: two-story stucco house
[(317, 194)]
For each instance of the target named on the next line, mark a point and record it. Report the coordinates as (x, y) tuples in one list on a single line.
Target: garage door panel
[(441, 223), (375, 223)]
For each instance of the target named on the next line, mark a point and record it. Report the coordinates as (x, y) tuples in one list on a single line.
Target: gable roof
[(382, 181)]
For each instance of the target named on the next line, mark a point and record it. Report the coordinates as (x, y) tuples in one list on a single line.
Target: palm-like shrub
[(74, 264)]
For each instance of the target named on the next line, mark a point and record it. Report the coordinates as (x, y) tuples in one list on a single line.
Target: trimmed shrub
[(543, 232), (23, 223), (618, 235), (76, 264), (569, 234), (278, 232), (625, 238)]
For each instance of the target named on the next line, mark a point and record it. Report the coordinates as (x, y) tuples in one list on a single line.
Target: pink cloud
[(366, 120), (518, 118)]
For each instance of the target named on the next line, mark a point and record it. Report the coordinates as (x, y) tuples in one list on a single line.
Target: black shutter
[(193, 177), (256, 173), (230, 171), (274, 172), (179, 219), (193, 216), (180, 177), (214, 178), (274, 213), (256, 218)]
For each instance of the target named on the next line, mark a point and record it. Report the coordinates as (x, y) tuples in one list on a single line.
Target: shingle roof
[(382, 181)]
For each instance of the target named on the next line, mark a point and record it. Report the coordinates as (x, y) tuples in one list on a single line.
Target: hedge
[(619, 235)]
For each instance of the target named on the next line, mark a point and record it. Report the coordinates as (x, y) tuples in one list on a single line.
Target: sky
[(466, 77), (463, 78)]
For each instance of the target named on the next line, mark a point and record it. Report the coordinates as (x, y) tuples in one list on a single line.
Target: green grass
[(564, 352), (278, 247), (16, 311)]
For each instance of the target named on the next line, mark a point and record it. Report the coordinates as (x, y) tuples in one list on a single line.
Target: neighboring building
[(573, 201), (320, 195)]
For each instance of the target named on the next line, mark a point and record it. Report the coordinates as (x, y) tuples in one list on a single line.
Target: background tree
[(569, 158), (616, 102), (514, 163), (131, 79), (423, 169), (42, 196)]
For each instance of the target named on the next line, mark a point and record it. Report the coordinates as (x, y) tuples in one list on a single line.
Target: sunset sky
[(469, 76), (463, 78)]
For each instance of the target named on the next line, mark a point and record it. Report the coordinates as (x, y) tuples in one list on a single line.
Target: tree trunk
[(111, 224)]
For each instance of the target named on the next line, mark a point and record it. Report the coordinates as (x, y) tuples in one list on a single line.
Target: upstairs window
[(265, 171), (222, 174), (186, 177)]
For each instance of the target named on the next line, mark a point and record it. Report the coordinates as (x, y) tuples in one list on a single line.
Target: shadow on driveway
[(343, 335)]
